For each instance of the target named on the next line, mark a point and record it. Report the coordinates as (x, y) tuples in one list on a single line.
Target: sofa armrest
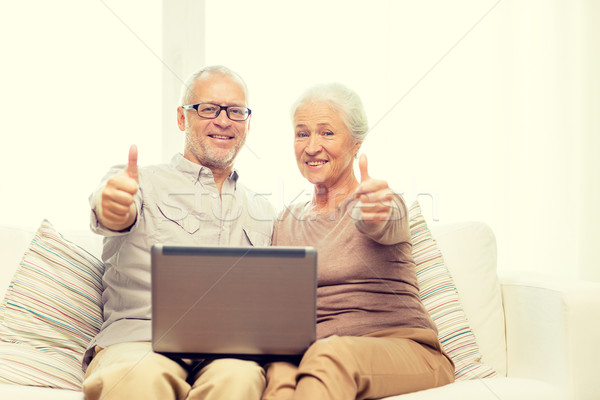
[(552, 334)]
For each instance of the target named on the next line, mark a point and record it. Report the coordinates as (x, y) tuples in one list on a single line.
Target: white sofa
[(540, 335)]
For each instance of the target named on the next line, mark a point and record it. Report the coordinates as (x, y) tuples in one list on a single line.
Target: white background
[(484, 110)]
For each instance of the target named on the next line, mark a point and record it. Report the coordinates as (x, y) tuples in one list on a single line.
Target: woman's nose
[(314, 145)]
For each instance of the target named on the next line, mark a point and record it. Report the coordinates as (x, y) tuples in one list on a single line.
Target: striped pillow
[(440, 297), (50, 312)]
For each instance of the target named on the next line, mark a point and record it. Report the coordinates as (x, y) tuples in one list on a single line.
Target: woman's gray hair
[(186, 91), (342, 99)]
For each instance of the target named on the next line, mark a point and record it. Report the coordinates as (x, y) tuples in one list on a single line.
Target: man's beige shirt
[(177, 203)]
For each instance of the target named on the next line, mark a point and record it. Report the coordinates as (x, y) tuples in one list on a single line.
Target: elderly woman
[(375, 338)]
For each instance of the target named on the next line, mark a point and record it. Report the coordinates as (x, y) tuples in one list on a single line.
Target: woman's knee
[(331, 356), (333, 348), (234, 370), (328, 370), (229, 379)]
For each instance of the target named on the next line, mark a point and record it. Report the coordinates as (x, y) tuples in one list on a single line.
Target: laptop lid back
[(246, 302)]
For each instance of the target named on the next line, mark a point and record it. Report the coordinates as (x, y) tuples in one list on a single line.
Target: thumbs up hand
[(375, 196), (132, 168), (116, 203)]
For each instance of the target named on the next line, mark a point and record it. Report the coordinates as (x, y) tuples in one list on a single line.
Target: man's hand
[(375, 196), (116, 203)]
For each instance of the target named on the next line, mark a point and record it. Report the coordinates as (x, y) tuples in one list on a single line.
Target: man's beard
[(211, 157)]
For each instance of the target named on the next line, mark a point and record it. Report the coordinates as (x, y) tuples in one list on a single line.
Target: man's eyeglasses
[(207, 110)]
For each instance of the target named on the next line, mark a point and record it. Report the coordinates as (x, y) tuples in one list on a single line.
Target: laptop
[(256, 303)]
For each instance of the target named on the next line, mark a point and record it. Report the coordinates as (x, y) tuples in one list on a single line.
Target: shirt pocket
[(257, 238), (180, 217)]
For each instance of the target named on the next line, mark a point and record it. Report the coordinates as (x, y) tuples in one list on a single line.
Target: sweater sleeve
[(395, 228)]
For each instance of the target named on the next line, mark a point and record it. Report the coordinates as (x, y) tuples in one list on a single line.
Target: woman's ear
[(356, 148)]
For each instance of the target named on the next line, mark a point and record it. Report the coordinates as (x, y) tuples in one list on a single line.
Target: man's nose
[(222, 119)]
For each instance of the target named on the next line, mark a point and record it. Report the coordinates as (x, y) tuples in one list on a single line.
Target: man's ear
[(181, 118)]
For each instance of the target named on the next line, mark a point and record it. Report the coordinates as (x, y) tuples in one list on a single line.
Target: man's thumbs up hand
[(117, 205), (375, 195), (132, 169)]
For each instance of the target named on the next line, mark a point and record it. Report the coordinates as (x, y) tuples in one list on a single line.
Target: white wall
[(484, 105), (80, 82), (183, 47), (489, 107), (589, 210)]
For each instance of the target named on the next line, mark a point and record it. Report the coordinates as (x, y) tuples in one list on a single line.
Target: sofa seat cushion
[(488, 389), (21, 364), (10, 392)]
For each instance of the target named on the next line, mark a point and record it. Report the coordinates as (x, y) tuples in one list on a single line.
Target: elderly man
[(195, 199)]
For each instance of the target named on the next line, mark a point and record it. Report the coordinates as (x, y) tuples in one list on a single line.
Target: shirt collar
[(200, 173)]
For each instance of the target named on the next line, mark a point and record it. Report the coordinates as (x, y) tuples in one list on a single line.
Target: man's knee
[(122, 378)]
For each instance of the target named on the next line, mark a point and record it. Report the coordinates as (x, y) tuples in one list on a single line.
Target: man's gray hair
[(186, 91), (342, 99)]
